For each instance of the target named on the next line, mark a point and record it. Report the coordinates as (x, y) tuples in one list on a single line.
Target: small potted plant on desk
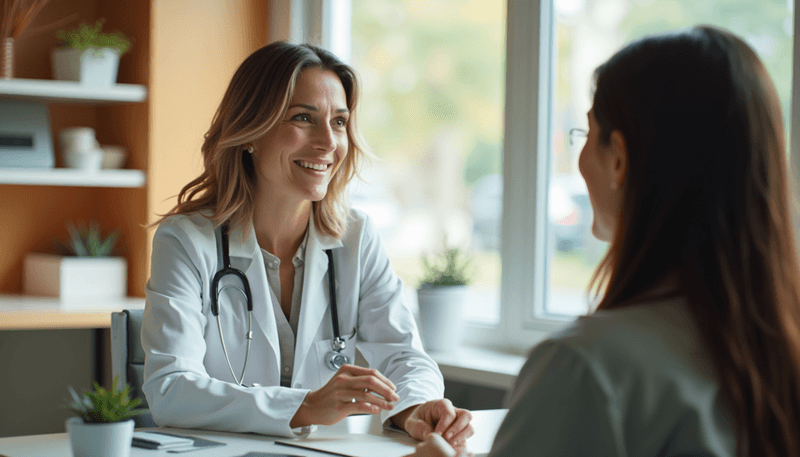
[(88, 55), (441, 295), (105, 425)]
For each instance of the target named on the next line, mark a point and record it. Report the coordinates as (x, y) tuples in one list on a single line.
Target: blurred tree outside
[(432, 100)]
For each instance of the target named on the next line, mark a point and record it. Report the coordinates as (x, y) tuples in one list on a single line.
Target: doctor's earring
[(249, 149)]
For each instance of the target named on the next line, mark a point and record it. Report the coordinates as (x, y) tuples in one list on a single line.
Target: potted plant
[(441, 295), (105, 425), (82, 269), (89, 55)]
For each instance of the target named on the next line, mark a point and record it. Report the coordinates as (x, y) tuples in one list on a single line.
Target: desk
[(486, 424), (25, 312)]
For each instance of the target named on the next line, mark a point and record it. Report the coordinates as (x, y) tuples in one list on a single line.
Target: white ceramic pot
[(441, 311), (90, 67), (100, 440)]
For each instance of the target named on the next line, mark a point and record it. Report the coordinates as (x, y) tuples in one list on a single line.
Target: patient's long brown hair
[(256, 99), (706, 202)]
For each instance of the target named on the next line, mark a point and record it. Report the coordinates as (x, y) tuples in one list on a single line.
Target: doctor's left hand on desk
[(437, 416), (352, 390)]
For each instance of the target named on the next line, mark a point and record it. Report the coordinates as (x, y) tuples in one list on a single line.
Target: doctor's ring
[(352, 400)]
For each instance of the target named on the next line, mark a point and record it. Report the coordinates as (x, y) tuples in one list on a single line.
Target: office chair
[(127, 358)]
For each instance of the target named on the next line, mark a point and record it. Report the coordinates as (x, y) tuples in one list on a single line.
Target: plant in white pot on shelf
[(442, 294), (83, 273), (104, 426), (88, 55)]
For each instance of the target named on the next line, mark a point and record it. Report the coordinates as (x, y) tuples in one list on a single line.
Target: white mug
[(77, 139), (87, 159)]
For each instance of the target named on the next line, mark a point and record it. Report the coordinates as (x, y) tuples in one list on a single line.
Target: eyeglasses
[(577, 136)]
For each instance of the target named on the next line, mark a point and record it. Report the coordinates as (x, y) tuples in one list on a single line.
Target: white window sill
[(480, 366)]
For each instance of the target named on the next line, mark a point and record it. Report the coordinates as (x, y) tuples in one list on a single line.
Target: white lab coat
[(187, 381)]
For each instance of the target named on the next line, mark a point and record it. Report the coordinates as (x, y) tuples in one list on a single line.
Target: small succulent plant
[(89, 36), (105, 405), (449, 268), (87, 241)]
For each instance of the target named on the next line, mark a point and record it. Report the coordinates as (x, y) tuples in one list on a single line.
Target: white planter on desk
[(75, 279), (90, 67), (100, 440)]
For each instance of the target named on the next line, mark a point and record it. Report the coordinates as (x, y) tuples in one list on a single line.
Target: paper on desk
[(357, 445)]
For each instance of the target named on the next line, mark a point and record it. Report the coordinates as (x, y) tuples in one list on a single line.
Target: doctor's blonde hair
[(257, 98)]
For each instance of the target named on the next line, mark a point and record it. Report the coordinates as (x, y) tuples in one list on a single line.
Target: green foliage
[(104, 406), (436, 71), (449, 268), (89, 36), (484, 159), (87, 241)]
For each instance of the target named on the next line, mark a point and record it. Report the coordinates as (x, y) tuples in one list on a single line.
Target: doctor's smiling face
[(297, 159)]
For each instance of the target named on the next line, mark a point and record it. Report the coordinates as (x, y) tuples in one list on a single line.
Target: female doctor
[(266, 226)]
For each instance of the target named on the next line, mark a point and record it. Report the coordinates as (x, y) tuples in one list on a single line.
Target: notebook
[(170, 442), (158, 440)]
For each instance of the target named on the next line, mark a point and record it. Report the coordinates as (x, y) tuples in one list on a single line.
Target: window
[(585, 34), (468, 106), (432, 111)]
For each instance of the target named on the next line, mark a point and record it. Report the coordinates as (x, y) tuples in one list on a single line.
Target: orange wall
[(195, 51)]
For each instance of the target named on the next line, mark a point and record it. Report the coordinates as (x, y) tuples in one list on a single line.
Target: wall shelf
[(52, 91), (72, 177)]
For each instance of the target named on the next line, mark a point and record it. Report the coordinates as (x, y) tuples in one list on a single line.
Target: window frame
[(529, 65)]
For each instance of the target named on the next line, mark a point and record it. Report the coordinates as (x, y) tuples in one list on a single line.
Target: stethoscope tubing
[(335, 359), (337, 338)]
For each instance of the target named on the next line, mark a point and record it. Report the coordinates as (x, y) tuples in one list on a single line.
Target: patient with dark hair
[(694, 348)]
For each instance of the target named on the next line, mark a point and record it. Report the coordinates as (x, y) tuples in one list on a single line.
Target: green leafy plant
[(87, 241), (105, 405), (448, 268), (87, 36)]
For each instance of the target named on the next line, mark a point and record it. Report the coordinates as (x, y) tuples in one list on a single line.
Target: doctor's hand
[(437, 416), (352, 390)]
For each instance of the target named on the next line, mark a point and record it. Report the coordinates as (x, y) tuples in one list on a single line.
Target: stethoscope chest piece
[(335, 359)]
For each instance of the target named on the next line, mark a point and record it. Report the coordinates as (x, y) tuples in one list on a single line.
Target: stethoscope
[(333, 359)]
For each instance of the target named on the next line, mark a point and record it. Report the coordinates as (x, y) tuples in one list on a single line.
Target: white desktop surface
[(485, 423)]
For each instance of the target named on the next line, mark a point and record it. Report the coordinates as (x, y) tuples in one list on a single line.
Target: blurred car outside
[(568, 209)]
